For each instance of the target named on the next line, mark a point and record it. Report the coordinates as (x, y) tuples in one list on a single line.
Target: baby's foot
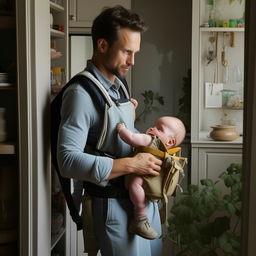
[(141, 227)]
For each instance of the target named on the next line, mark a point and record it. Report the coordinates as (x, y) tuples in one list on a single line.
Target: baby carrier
[(104, 102), (163, 186)]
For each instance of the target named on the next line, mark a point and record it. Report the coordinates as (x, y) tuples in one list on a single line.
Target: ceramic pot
[(224, 132)]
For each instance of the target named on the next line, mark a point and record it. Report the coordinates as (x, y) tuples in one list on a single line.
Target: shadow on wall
[(165, 53)]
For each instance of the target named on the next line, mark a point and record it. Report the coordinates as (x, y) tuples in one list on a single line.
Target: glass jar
[(56, 76), (231, 99)]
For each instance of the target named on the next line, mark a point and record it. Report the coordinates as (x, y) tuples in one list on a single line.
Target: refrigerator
[(81, 50)]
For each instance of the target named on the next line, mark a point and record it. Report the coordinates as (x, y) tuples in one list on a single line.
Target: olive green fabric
[(163, 186)]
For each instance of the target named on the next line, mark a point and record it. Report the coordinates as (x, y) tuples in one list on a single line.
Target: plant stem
[(235, 226)]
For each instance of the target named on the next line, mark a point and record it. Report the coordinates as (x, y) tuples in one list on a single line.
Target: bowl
[(224, 132)]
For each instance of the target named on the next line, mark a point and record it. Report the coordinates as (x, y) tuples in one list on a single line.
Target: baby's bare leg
[(137, 195)]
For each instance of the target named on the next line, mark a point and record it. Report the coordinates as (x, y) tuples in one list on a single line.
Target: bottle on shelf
[(209, 14)]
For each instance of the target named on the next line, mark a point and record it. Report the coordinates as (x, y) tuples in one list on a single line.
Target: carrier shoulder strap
[(159, 153), (100, 96)]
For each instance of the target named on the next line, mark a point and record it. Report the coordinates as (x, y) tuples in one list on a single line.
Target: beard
[(118, 71)]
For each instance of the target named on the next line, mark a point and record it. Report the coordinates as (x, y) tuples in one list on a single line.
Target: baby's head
[(170, 130)]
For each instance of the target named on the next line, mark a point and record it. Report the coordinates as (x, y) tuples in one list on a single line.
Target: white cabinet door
[(213, 161), (82, 12)]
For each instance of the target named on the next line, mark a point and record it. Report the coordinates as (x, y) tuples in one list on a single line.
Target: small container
[(51, 20), (226, 96), (232, 23), (231, 99), (240, 23), (4, 77), (224, 132), (225, 23), (56, 76)]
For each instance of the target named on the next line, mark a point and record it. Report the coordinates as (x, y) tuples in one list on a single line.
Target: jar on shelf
[(56, 76), (210, 13), (231, 99), (224, 132)]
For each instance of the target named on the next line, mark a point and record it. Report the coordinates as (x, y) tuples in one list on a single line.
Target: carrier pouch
[(163, 186)]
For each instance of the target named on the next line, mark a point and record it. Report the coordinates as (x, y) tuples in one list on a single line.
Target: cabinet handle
[(72, 17)]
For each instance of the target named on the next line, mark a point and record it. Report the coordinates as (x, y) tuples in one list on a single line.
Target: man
[(116, 35)]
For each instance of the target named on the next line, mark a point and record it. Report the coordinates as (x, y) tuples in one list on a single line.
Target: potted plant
[(150, 101), (204, 222)]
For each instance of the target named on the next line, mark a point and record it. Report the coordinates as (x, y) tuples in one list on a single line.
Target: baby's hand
[(120, 126), (134, 102)]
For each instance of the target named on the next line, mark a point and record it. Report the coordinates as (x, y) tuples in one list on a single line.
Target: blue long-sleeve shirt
[(81, 118)]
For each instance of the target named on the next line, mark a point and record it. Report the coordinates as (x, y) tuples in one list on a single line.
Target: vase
[(224, 132)]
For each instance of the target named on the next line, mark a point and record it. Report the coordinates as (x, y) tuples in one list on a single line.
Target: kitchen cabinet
[(82, 12), (9, 138), (217, 84), (60, 220), (210, 161), (59, 44), (25, 173)]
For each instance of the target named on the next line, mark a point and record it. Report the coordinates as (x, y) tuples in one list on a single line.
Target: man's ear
[(102, 45), (171, 142)]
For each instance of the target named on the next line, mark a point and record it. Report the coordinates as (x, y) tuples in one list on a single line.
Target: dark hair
[(107, 24)]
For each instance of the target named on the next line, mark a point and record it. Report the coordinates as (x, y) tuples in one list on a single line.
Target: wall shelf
[(11, 88), (55, 8), (57, 34), (221, 29), (7, 148)]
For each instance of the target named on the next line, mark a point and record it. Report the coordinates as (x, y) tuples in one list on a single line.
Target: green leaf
[(206, 182), (229, 243), (238, 206), (228, 181), (161, 100), (231, 208), (223, 175)]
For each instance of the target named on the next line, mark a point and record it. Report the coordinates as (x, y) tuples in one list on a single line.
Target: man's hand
[(145, 164), (140, 164)]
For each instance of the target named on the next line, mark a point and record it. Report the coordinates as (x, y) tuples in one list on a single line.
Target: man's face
[(119, 57)]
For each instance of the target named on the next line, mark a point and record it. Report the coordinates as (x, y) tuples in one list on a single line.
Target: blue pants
[(111, 217)]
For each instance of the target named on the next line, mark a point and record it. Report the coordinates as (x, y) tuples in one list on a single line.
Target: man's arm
[(74, 163), (133, 139)]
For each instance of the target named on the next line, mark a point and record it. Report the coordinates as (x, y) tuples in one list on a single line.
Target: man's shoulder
[(77, 89)]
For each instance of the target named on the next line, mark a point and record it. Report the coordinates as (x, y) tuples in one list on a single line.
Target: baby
[(167, 133)]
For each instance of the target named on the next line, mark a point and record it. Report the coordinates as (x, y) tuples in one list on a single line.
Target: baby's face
[(160, 130)]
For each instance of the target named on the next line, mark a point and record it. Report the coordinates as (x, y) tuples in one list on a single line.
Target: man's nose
[(130, 59)]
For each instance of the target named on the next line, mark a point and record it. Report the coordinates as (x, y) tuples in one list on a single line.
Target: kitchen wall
[(165, 54)]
